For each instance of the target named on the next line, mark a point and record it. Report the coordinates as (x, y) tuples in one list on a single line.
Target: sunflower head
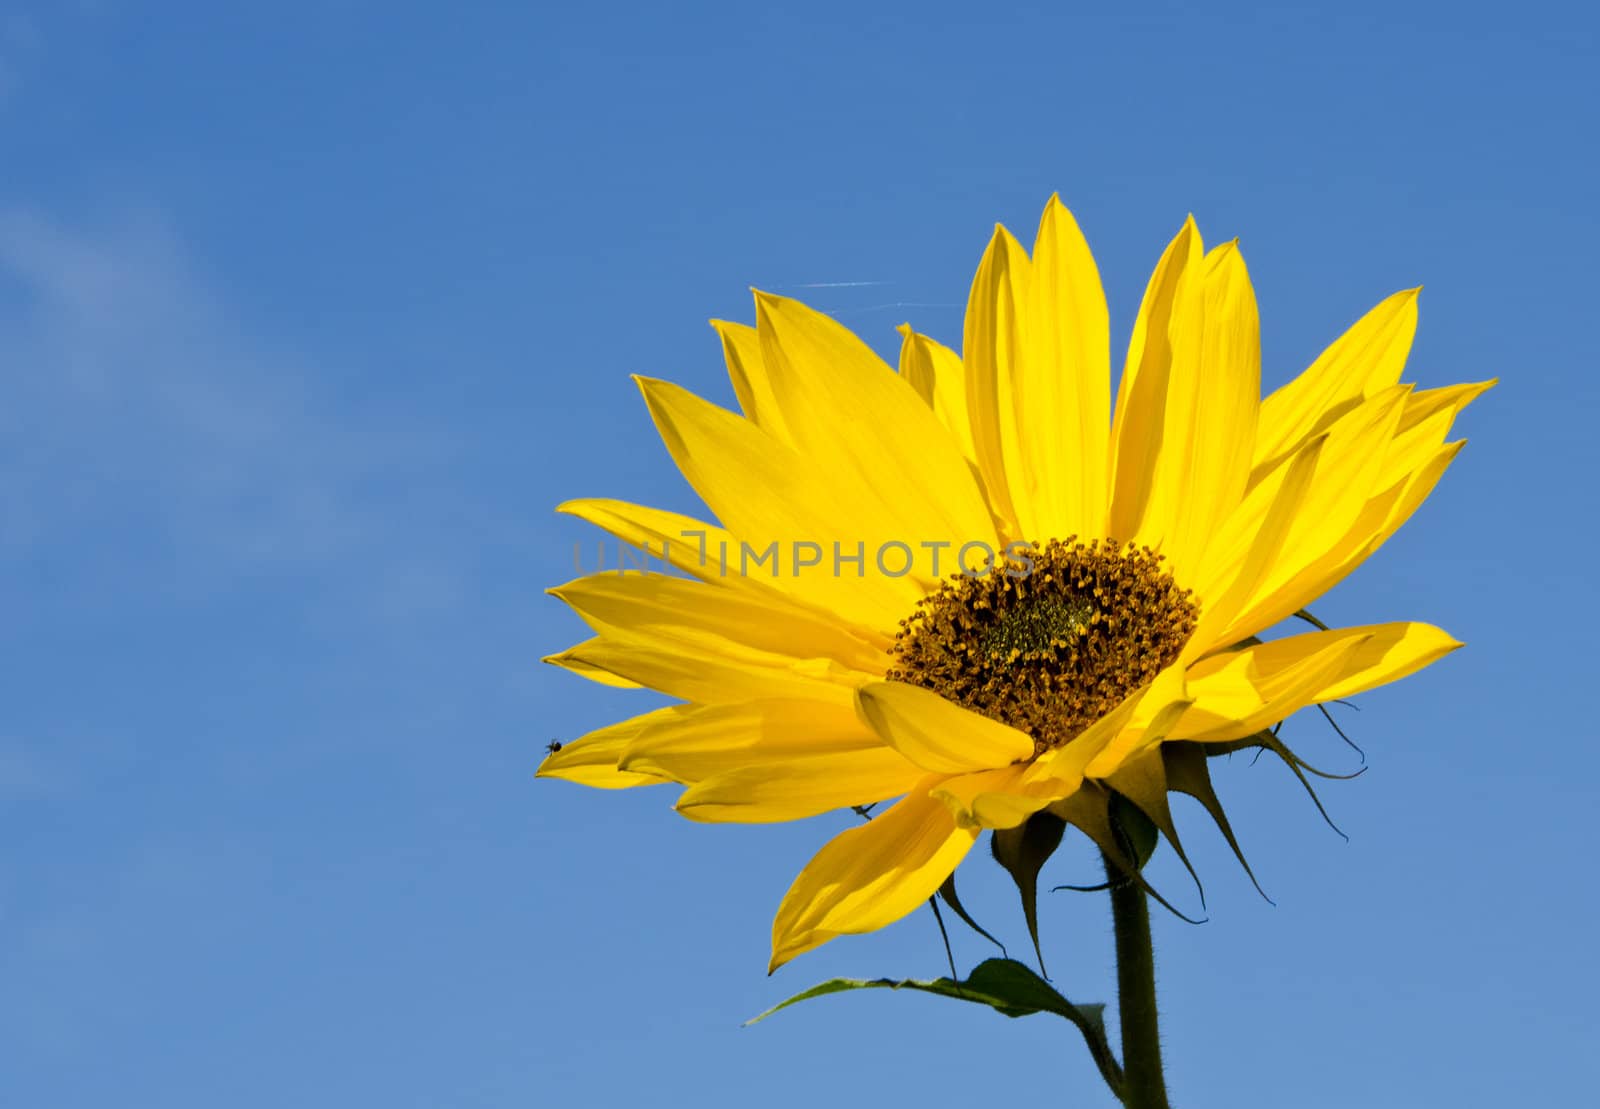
[(821, 660)]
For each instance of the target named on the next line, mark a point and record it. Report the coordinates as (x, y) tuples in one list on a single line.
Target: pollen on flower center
[(1051, 642)]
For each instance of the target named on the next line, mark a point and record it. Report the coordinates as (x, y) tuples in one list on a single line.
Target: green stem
[(1144, 1086)]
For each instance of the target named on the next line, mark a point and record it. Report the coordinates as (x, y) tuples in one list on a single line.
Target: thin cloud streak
[(140, 410)]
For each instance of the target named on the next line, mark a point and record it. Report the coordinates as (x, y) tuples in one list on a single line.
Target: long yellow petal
[(1062, 390), (1452, 398), (1239, 693), (706, 615), (1302, 580), (1244, 552), (741, 349), (798, 788), (1365, 360), (871, 875), (690, 743), (707, 672), (1400, 475), (704, 551), (765, 493), (1165, 349), (1391, 652), (992, 348), (1424, 425), (591, 760), (1416, 490), (936, 373), (854, 418), (1379, 518), (1201, 460), (680, 541), (1333, 508), (574, 660), (1383, 516), (1211, 419), (936, 734)]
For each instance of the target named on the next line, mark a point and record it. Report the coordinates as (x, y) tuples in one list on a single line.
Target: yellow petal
[(1382, 515), (1165, 348), (991, 351), (765, 493), (1416, 490), (1379, 520), (871, 875), (703, 551), (1211, 420), (690, 743), (1335, 504), (1244, 552), (1005, 800), (1411, 448), (696, 613), (1241, 692), (1401, 475), (936, 734), (936, 373), (592, 759), (798, 788), (575, 661), (1154, 710), (710, 674), (1391, 652), (1062, 387), (1452, 398), (741, 349), (1007, 796), (854, 418), (1424, 425), (1366, 359), (1200, 462), (680, 541)]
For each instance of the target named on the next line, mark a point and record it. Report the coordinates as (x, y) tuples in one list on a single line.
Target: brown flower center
[(1050, 642)]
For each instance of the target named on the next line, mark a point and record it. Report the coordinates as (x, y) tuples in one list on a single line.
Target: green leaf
[(1006, 986)]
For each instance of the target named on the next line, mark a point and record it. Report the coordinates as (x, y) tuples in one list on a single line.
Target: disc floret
[(1049, 640)]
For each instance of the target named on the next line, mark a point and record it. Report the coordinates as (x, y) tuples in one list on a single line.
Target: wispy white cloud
[(140, 408)]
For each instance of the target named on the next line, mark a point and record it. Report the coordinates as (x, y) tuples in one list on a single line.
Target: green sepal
[(1305, 614), (1186, 770), (1023, 851), (1006, 986), (1137, 833), (1298, 766), (947, 894), (1089, 810), (1143, 782)]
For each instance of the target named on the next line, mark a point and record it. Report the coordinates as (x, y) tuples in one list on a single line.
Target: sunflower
[(979, 587)]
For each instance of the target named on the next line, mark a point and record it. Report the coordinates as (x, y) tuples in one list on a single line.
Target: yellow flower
[(1106, 571)]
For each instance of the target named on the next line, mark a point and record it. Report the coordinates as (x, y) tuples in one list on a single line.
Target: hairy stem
[(1144, 1086)]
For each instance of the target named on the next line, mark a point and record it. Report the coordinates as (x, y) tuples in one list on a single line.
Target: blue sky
[(310, 314)]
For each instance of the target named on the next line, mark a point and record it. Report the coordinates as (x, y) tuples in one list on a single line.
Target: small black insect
[(553, 746)]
